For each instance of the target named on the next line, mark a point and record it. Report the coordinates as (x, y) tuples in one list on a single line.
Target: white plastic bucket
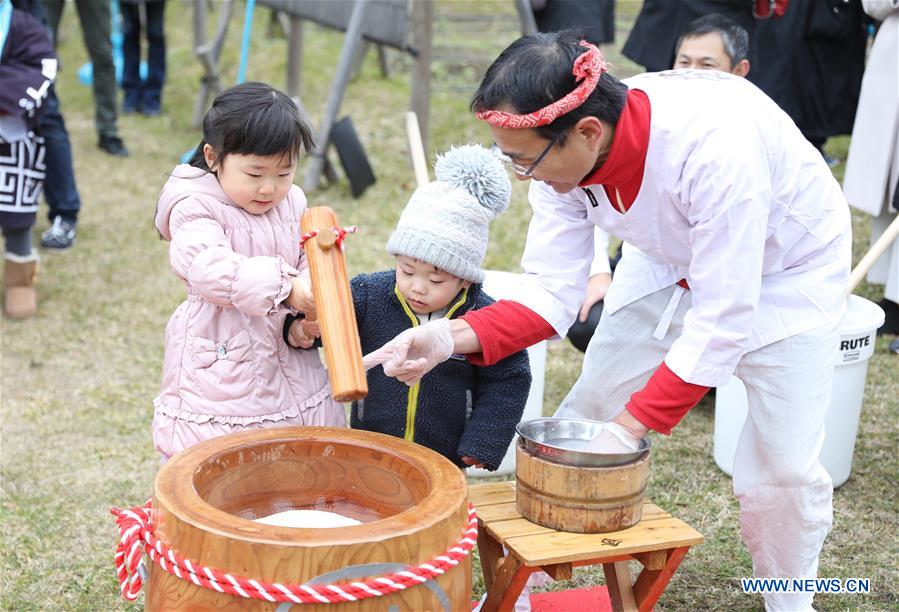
[(857, 335), (509, 286)]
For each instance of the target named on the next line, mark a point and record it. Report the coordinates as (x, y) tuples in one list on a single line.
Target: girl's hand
[(301, 297), (297, 336), (472, 462)]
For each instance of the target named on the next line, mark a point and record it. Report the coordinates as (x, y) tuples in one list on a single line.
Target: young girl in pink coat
[(232, 215)]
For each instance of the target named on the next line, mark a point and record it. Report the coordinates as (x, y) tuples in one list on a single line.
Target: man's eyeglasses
[(518, 168)]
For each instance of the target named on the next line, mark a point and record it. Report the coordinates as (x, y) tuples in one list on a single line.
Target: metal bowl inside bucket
[(563, 440)]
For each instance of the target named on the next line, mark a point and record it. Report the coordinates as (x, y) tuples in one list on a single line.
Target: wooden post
[(423, 19), (200, 21), (295, 57), (526, 15), (416, 150), (209, 54), (277, 19), (491, 553), (344, 65), (510, 579), (359, 59), (651, 584), (330, 173), (382, 61), (334, 306), (621, 590)]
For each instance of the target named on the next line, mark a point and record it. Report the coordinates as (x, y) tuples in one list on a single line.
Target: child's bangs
[(275, 130)]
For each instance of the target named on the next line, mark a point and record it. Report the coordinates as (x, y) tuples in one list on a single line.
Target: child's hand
[(301, 297), (297, 336), (472, 462), (311, 328)]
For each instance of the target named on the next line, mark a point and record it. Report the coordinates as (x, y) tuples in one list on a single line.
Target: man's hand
[(414, 352), (613, 439), (597, 287)]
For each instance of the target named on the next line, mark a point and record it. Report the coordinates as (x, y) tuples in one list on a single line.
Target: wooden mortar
[(412, 501), (579, 499)]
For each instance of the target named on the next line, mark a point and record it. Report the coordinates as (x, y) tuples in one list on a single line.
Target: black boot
[(891, 324)]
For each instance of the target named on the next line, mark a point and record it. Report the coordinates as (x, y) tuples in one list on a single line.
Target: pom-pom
[(477, 171)]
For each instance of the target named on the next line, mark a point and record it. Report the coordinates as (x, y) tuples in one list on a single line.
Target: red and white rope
[(340, 232), (137, 537)]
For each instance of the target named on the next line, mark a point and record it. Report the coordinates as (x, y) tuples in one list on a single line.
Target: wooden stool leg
[(510, 579), (621, 590), (491, 553), (651, 583)]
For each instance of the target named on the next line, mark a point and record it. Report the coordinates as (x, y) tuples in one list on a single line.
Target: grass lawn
[(78, 380)]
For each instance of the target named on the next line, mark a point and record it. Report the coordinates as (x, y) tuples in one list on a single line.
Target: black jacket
[(26, 59), (22, 60), (810, 61), (458, 408)]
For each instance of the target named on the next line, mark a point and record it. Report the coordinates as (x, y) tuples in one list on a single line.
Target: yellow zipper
[(412, 401)]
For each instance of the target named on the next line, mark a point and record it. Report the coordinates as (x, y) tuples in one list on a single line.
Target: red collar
[(623, 169)]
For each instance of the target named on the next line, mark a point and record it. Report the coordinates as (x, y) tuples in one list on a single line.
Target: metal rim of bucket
[(571, 457)]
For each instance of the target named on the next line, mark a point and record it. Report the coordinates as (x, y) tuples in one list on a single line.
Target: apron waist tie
[(668, 314)]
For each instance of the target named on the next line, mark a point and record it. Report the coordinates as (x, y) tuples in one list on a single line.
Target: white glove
[(613, 438), (415, 352)]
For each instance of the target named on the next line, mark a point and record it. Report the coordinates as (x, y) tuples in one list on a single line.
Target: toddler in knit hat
[(445, 224), (465, 412)]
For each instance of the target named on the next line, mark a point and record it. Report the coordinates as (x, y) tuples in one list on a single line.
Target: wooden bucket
[(579, 499), (413, 504)]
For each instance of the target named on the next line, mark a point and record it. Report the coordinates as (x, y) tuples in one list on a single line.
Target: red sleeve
[(504, 328), (664, 401)]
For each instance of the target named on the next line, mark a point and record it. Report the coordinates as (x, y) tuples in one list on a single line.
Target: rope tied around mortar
[(137, 537)]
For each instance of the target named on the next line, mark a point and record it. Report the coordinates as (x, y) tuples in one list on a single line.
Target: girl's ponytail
[(198, 157)]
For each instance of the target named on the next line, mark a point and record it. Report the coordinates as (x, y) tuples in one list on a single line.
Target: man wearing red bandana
[(705, 174)]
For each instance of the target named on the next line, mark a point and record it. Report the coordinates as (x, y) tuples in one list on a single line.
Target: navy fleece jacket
[(457, 409)]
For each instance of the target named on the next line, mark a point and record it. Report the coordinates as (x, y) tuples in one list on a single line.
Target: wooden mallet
[(334, 304)]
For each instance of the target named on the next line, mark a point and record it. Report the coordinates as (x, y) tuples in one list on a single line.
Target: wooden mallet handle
[(334, 305), (877, 249), (417, 150)]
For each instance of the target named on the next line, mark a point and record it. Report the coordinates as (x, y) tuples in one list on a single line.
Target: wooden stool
[(659, 542)]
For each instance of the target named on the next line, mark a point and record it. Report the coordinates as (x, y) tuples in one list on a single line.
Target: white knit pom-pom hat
[(446, 223)]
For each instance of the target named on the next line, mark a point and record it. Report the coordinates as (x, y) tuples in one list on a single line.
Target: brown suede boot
[(21, 297)]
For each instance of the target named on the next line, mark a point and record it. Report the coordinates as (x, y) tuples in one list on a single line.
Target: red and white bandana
[(588, 67)]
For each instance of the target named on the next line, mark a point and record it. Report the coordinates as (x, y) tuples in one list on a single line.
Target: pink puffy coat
[(226, 365)]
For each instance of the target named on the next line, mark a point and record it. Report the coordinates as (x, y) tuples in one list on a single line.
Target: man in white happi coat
[(705, 174)]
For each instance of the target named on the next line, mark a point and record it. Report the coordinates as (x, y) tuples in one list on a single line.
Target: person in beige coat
[(872, 167)]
